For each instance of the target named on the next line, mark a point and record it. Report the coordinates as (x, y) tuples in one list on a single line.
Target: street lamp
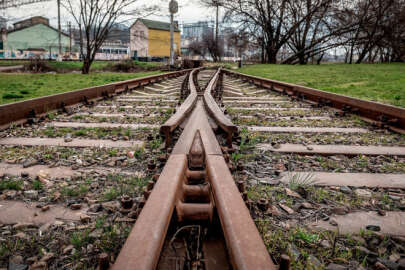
[(173, 8)]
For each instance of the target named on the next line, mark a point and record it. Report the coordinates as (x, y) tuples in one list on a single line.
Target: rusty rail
[(382, 114), (195, 182), (19, 112), (215, 111), (186, 107)]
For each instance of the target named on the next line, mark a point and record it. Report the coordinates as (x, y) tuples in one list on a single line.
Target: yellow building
[(152, 39)]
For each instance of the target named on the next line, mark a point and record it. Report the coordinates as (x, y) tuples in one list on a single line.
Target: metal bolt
[(241, 186), (156, 177), (285, 262), (146, 193), (245, 196), (263, 205), (126, 202), (141, 204), (226, 157), (151, 165), (150, 185), (103, 261)]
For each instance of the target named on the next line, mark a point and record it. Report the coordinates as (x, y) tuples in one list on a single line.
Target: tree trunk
[(302, 59), (318, 62), (362, 56), (351, 53), (271, 56), (263, 56), (86, 66)]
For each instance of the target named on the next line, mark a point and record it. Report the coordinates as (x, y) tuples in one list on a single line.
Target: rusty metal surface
[(197, 121), (216, 112), (387, 114), (244, 243), (143, 246), (186, 107), (38, 106)]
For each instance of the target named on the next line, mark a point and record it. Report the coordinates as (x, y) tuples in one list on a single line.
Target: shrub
[(11, 96), (38, 65)]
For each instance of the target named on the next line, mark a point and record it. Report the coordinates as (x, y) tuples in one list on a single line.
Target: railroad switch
[(195, 202)]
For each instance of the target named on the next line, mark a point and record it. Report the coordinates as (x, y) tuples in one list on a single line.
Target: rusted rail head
[(142, 248), (186, 107), (21, 111), (246, 248), (215, 111), (385, 115)]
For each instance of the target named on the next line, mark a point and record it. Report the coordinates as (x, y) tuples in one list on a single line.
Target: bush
[(11, 96), (38, 65), (131, 66), (124, 66)]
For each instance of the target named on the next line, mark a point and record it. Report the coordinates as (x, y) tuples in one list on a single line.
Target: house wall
[(159, 43), (38, 36), (139, 39)]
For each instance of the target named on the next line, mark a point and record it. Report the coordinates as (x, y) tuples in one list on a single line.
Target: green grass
[(11, 184), (13, 63), (379, 82), (75, 65), (18, 87)]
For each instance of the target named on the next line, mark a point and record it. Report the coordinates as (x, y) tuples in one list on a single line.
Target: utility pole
[(70, 39), (173, 8), (216, 30), (59, 34)]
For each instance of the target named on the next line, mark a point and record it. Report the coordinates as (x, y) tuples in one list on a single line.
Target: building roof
[(151, 24), (25, 27), (32, 19), (117, 34)]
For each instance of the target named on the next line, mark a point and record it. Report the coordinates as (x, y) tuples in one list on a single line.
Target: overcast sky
[(189, 11)]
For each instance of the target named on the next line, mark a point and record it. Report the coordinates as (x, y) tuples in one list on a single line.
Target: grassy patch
[(11, 184), (37, 185), (17, 87), (380, 82), (13, 63)]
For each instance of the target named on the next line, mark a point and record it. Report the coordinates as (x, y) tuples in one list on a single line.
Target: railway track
[(63, 173), (249, 174)]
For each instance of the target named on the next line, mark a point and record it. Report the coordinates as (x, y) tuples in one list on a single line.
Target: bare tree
[(270, 18), (239, 41), (393, 46), (372, 27), (215, 4), (374, 23), (208, 46), (198, 48), (95, 20), (318, 32)]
